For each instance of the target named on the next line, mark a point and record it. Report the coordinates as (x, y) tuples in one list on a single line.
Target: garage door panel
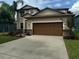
[(47, 29)]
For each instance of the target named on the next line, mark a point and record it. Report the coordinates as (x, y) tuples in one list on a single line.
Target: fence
[(7, 27)]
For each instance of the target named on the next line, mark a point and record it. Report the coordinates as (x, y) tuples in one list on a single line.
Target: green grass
[(6, 38), (76, 33), (72, 48)]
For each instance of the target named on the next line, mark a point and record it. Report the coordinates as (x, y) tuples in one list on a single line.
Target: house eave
[(67, 15)]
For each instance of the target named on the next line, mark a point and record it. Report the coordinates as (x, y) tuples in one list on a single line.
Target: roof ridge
[(26, 6), (50, 9)]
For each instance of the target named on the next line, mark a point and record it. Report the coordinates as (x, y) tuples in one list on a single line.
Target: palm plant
[(15, 5), (14, 8)]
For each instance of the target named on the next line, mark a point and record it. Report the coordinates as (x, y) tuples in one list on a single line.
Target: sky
[(72, 4), (75, 8)]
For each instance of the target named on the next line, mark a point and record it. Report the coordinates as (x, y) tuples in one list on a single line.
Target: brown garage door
[(48, 28)]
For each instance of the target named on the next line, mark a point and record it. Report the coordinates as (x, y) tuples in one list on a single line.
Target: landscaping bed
[(73, 36), (72, 48), (76, 35)]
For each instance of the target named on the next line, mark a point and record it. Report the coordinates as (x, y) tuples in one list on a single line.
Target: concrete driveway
[(34, 47)]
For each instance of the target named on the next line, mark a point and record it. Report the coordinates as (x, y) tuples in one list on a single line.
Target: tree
[(70, 24), (15, 5), (14, 8), (5, 12), (6, 16)]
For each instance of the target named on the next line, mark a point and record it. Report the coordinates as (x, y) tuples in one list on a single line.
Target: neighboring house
[(43, 22), (76, 23)]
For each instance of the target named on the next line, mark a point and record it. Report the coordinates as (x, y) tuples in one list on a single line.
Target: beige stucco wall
[(19, 21), (65, 23), (41, 20), (28, 23)]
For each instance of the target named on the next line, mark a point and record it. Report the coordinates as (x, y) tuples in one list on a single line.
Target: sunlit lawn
[(72, 48)]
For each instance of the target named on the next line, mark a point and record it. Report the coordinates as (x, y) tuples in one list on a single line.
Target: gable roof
[(76, 17), (26, 7), (55, 9), (60, 13), (59, 8)]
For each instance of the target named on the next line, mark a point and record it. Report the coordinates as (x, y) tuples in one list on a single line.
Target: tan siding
[(41, 20), (47, 12)]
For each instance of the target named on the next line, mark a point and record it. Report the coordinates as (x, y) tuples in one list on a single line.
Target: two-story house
[(48, 21)]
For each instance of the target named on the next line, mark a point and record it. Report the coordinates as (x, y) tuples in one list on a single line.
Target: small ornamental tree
[(70, 24)]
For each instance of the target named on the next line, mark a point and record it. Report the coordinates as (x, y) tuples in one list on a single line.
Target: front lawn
[(6, 38), (72, 48)]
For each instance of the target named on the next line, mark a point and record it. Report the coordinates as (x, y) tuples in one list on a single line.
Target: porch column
[(18, 25), (65, 27), (29, 27), (18, 19), (24, 27)]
